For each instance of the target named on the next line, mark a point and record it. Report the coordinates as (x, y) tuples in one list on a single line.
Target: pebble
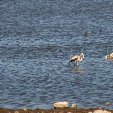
[(16, 112), (107, 103)]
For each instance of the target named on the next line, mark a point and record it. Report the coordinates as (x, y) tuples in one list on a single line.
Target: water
[(37, 38)]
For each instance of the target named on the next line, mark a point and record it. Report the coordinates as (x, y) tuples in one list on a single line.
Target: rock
[(107, 104), (101, 111), (60, 104), (100, 108), (24, 109), (74, 106), (16, 112)]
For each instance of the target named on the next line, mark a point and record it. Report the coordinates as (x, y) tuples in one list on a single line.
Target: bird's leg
[(77, 63), (74, 64)]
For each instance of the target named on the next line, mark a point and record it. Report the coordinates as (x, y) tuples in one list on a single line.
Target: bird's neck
[(81, 58)]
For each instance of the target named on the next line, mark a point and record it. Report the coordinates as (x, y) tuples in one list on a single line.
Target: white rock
[(16, 112), (74, 106), (101, 111), (24, 109), (107, 104), (60, 104)]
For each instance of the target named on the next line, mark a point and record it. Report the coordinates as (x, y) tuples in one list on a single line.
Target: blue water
[(37, 38)]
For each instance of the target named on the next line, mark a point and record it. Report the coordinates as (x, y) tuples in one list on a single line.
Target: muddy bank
[(63, 110)]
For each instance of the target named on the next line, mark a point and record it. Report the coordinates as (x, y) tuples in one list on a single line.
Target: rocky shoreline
[(60, 107), (58, 110)]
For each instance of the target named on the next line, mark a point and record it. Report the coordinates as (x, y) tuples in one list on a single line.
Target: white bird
[(77, 58), (109, 56)]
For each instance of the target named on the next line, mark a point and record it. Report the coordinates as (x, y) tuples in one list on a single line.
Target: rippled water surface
[(37, 38)]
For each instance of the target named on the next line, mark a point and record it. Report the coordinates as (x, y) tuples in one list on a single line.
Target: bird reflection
[(77, 69)]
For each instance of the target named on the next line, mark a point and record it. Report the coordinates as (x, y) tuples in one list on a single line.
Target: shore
[(58, 110)]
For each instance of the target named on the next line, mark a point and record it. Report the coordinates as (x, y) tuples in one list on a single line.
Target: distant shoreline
[(52, 110)]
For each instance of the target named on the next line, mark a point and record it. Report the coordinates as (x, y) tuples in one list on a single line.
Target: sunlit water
[(37, 38)]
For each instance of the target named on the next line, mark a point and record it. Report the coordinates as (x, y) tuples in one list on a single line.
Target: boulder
[(60, 104)]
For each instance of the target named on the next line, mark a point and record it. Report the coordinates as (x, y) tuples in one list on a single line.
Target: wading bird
[(77, 58), (109, 56)]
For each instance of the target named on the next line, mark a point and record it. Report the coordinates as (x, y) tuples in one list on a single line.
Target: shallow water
[(37, 38)]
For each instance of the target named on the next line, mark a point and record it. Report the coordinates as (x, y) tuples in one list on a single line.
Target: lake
[(37, 39)]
